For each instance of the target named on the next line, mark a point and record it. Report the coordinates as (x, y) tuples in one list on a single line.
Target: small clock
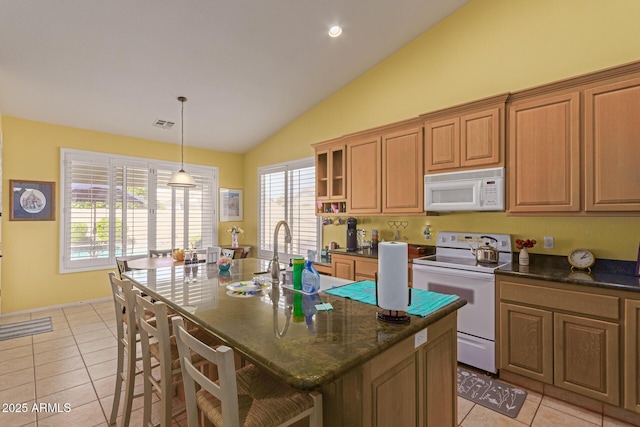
[(581, 275), (581, 259)]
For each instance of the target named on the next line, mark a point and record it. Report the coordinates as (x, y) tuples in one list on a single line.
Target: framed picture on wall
[(32, 200), (230, 204)]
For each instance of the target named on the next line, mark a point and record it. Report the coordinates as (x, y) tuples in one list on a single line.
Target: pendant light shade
[(181, 178)]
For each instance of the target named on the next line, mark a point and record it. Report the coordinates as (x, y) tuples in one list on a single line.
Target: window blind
[(287, 192), (119, 206)]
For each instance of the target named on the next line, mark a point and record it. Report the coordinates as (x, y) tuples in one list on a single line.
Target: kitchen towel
[(393, 293), (423, 302)]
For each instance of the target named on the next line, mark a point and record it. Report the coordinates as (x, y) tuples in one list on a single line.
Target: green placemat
[(423, 302)]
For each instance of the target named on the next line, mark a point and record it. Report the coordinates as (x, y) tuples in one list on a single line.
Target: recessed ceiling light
[(335, 31)]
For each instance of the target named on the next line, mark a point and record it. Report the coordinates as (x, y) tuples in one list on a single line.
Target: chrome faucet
[(275, 263)]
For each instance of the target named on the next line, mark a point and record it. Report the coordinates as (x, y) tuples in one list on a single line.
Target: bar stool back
[(247, 397)]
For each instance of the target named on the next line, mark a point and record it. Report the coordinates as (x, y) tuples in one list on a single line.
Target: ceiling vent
[(164, 124)]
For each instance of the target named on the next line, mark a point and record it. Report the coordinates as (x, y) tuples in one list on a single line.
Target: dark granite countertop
[(306, 351), (611, 274), (373, 253)]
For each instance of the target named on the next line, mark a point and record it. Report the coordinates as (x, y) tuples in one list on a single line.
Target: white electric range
[(454, 270)]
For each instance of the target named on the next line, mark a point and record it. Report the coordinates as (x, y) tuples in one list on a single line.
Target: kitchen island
[(369, 372)]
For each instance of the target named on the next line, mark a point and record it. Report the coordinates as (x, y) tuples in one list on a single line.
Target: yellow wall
[(486, 48), (31, 151)]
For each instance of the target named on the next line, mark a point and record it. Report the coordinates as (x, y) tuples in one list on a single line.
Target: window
[(118, 206), (287, 192)]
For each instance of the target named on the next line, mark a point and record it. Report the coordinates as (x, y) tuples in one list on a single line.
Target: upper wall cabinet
[(612, 147), (467, 136), (573, 146), (402, 171), (544, 154), (331, 187), (364, 179)]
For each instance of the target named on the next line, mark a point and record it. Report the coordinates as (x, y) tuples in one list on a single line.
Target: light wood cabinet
[(343, 267), (562, 335), (632, 355), (527, 341), (544, 154), (612, 151), (402, 171), (364, 171), (586, 357), (331, 187), (467, 136)]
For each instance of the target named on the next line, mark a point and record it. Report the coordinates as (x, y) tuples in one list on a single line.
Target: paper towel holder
[(391, 316)]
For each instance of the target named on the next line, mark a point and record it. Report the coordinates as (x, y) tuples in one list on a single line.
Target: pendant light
[(181, 178)]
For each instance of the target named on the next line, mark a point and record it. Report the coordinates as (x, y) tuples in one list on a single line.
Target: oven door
[(476, 320)]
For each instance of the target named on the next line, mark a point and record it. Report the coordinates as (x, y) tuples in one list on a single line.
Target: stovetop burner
[(453, 250)]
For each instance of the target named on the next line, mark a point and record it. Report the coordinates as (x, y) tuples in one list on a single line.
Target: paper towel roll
[(393, 292)]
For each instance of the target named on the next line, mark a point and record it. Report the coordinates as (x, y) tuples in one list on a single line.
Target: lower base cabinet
[(403, 386), (561, 335), (632, 356)]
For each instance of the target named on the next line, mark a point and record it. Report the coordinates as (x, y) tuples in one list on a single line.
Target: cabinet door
[(322, 174), (363, 172), (343, 267), (544, 155), (442, 145), (586, 358), (480, 138), (526, 341), (632, 355), (612, 148), (402, 171)]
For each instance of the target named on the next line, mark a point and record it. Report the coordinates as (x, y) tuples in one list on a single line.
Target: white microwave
[(474, 190)]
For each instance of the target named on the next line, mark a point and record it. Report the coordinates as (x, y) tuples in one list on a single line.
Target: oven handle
[(450, 271)]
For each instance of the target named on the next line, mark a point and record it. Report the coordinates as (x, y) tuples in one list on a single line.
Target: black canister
[(352, 234)]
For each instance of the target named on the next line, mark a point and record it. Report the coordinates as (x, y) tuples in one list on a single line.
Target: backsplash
[(608, 238)]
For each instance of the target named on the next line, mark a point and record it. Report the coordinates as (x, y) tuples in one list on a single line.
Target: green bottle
[(298, 265)]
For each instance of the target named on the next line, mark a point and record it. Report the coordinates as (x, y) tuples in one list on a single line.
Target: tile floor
[(75, 364)]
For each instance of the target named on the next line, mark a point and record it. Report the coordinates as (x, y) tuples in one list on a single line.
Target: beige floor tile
[(57, 354), (13, 365), (100, 356), (101, 344), (105, 386), (89, 414), (78, 308), (102, 370), (464, 407), (483, 417), (53, 335), (21, 415), (88, 327), (5, 320), (574, 411), (79, 320), (56, 383), (74, 397), (93, 335), (16, 353), (16, 378), (59, 367), (54, 312), (547, 416), (529, 408), (16, 342), (20, 394), (59, 323), (55, 344)]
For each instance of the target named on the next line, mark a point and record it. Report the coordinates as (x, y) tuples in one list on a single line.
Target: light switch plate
[(420, 338)]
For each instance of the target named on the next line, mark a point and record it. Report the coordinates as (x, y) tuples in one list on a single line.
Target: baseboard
[(55, 307)]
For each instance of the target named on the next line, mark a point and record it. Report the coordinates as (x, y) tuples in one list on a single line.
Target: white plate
[(247, 288)]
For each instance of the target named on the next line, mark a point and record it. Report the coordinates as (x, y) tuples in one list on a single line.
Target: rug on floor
[(490, 393), (23, 329)]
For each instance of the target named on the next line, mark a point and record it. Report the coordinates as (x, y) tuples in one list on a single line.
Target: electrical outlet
[(420, 338), (548, 242)]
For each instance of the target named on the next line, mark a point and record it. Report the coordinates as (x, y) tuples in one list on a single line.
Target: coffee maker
[(352, 234)]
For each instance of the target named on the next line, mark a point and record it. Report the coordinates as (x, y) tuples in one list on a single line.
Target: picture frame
[(32, 200), (230, 204)]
